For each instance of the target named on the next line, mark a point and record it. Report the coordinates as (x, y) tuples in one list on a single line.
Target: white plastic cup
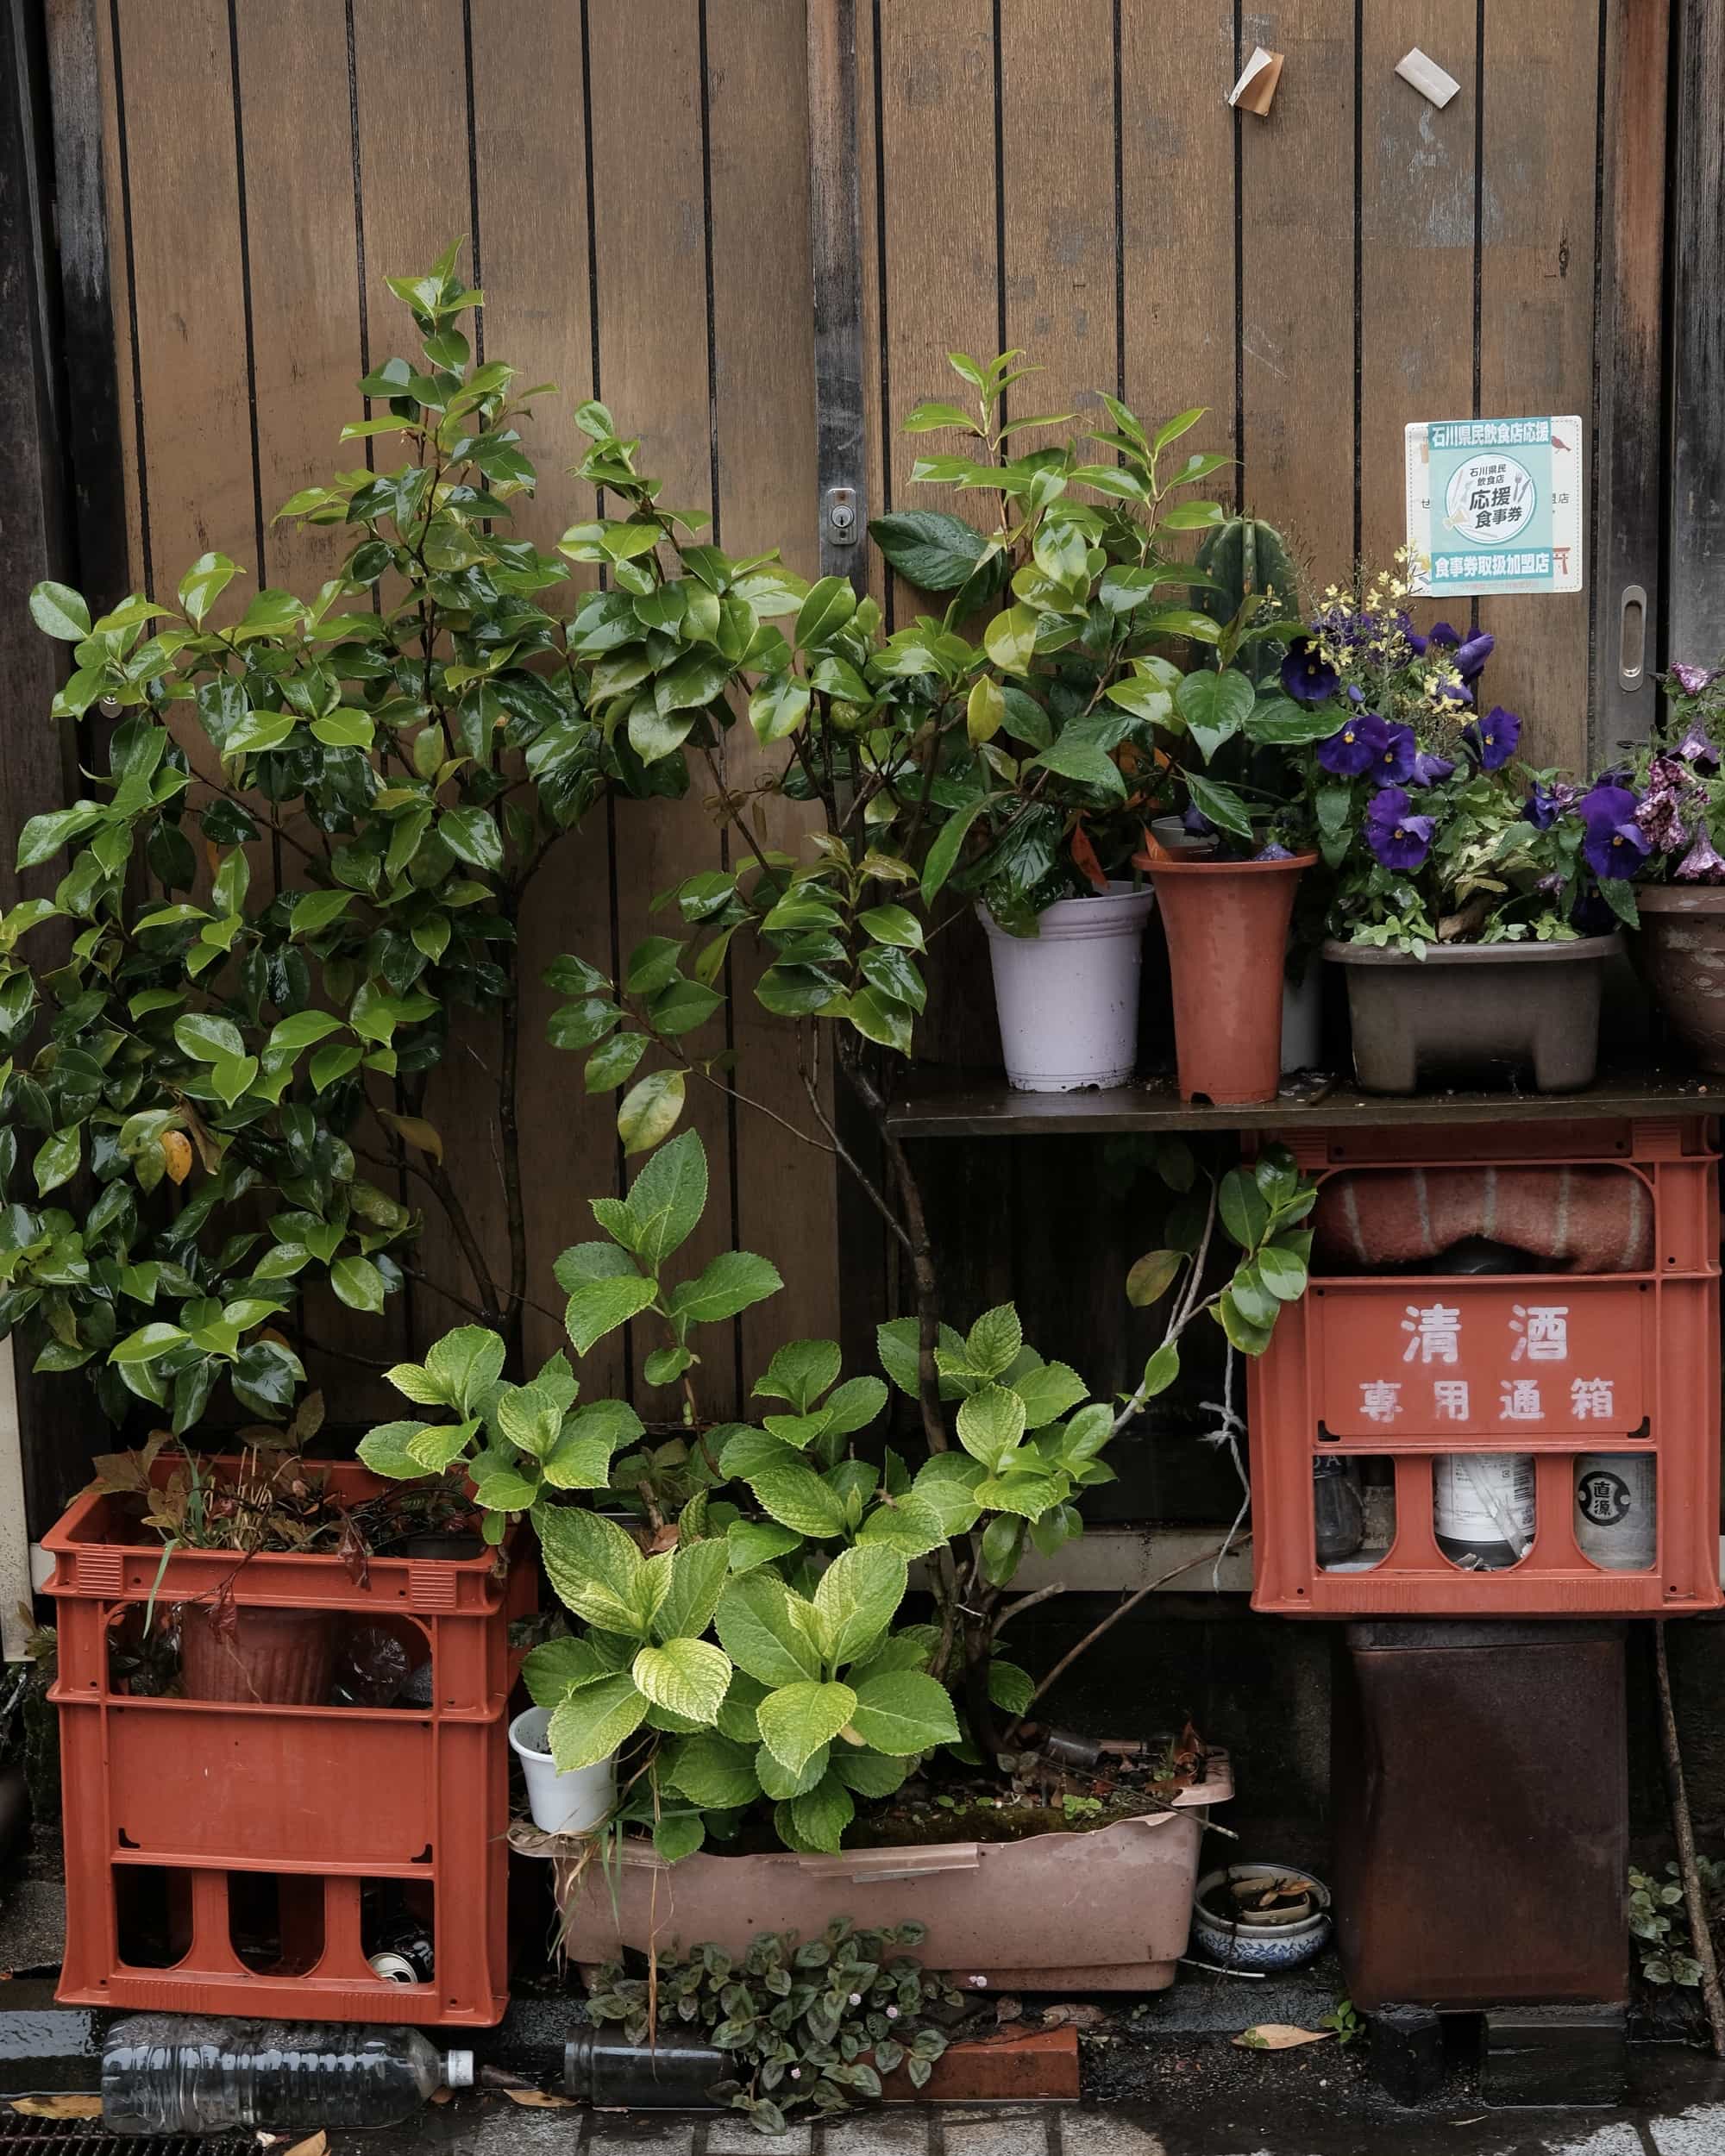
[(1067, 996), (1616, 1513), (573, 1803)]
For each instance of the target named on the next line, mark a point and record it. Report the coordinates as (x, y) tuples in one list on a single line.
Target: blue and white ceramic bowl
[(1264, 1947)]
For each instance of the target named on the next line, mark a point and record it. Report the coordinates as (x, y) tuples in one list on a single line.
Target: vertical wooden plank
[(1695, 608), (190, 316), (1416, 253), (1539, 152), (937, 232), (651, 250), (833, 75), (91, 422), (46, 1440), (766, 403), (1059, 260), (939, 252), (1298, 327), (411, 89), (864, 1268), (533, 212), (1176, 215), (1629, 422), (306, 304), (116, 188)]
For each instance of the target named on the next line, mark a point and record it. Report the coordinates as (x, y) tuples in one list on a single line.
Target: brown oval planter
[(1226, 922), (281, 1657), (1680, 955), (1484, 1011)]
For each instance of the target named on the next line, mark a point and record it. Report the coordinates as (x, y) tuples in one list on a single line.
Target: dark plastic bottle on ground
[(171, 2073), (668, 2076)]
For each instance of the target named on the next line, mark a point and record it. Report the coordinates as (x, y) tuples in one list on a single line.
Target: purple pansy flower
[(1397, 757), (1416, 643), (1491, 741), (1471, 653), (1307, 674), (1398, 839), (1701, 863), (1355, 747), (1429, 768), (1194, 820), (1614, 846), (1545, 804), (1272, 852), (1697, 747), (1693, 679)]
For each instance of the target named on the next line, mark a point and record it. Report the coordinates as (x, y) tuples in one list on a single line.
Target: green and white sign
[(1494, 504)]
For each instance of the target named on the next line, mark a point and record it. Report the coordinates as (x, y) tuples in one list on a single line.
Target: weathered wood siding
[(634, 177)]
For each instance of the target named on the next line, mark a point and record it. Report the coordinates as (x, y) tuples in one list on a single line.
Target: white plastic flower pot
[(573, 1803), (1302, 1020), (1068, 995)]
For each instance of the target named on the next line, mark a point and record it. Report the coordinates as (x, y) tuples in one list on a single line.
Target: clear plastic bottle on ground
[(172, 2073)]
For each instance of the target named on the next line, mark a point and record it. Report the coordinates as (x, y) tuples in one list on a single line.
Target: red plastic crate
[(192, 1797), (1618, 1362)]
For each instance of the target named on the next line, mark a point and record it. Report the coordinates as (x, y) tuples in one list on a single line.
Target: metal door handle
[(1632, 638)]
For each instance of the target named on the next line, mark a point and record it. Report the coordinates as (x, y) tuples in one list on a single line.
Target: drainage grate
[(23, 2136)]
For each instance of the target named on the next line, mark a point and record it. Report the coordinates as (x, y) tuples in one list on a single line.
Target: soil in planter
[(1042, 1797)]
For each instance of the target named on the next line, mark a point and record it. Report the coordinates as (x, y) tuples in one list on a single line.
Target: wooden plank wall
[(1318, 279), (1063, 177), (664, 268)]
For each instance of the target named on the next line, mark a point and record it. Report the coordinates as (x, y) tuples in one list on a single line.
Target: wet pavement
[(1161, 2076)]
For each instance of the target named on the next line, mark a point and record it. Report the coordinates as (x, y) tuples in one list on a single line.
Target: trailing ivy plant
[(303, 847), (816, 2023)]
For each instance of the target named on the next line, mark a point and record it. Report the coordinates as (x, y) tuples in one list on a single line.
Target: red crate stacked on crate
[(203, 1826), (1614, 1350)]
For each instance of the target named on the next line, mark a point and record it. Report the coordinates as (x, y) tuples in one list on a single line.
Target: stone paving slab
[(1043, 2130)]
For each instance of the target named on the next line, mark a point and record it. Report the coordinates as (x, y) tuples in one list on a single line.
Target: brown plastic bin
[(1106, 1911)]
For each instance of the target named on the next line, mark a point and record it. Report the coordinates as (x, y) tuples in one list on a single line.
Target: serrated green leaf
[(757, 1629), (690, 1676), (796, 1720), (591, 1723), (901, 1712)]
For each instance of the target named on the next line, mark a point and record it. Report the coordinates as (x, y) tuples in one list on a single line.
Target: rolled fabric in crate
[(1590, 1219)]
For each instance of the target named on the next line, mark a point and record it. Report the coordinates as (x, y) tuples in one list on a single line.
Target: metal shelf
[(962, 1104)]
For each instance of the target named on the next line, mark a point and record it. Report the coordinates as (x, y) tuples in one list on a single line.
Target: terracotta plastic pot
[(1680, 955), (1227, 936), (1487, 1011), (283, 1656), (1105, 1911)]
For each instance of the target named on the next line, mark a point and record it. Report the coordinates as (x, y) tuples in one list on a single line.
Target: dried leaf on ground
[(1280, 2036), (1008, 2009), (58, 2107), (314, 2145), (1075, 2013), (540, 2099)]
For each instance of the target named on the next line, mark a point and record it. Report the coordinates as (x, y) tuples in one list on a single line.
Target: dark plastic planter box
[(1477, 1011)]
